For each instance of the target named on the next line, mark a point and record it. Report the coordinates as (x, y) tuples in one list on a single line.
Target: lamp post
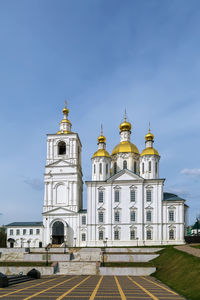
[(74, 241), (106, 242), (21, 242), (65, 246), (46, 248), (28, 242)]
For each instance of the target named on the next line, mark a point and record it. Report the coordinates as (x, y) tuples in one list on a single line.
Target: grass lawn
[(180, 271)]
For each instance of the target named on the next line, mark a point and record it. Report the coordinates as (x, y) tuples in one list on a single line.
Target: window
[(156, 167), (142, 168), (100, 217), (125, 164), (132, 196), (116, 216), (132, 216), (11, 231), (171, 234), (149, 166), (24, 231), (100, 196), (115, 168), (148, 196), (148, 216), (61, 148), (37, 231), (116, 235), (100, 168), (132, 234), (83, 220), (116, 196), (83, 237), (31, 231), (135, 167), (171, 215), (18, 232), (100, 235), (106, 168), (149, 235), (94, 169)]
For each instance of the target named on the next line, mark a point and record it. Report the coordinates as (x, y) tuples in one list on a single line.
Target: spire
[(149, 136), (125, 126), (125, 115), (65, 124), (101, 138)]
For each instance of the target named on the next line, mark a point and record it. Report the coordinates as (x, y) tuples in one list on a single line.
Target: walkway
[(188, 249), (90, 287)]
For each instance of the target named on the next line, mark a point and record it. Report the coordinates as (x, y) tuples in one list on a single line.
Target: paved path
[(90, 288), (188, 249)]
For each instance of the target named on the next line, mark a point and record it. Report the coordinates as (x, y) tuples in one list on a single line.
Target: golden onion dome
[(125, 126), (65, 110), (149, 136), (65, 121), (149, 151), (101, 152), (101, 139), (125, 147)]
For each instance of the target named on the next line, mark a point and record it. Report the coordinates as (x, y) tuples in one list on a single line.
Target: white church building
[(126, 205)]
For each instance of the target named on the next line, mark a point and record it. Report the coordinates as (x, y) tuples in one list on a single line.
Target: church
[(126, 204)]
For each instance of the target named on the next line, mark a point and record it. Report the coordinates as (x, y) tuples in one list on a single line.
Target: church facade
[(126, 205)]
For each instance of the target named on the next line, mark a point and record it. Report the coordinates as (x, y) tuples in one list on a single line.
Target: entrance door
[(58, 233)]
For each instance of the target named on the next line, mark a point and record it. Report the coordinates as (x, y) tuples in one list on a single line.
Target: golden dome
[(101, 139), (149, 136), (125, 146), (64, 132), (149, 151), (65, 110), (65, 121), (101, 152), (125, 126)]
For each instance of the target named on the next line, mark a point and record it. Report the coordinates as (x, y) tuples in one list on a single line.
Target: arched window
[(94, 169), (142, 168), (116, 195), (101, 235), (61, 148), (149, 166), (135, 167), (115, 168), (125, 164), (132, 195), (100, 168), (156, 167), (106, 168), (171, 234)]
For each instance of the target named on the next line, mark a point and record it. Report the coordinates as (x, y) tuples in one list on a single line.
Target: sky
[(103, 57)]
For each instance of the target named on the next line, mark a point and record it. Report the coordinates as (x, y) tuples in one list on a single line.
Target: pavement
[(189, 250), (90, 287)]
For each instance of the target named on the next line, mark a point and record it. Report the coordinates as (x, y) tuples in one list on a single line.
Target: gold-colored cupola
[(125, 126), (149, 140), (65, 124), (101, 146)]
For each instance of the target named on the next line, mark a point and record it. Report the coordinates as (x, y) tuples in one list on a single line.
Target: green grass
[(23, 264), (180, 271), (195, 246)]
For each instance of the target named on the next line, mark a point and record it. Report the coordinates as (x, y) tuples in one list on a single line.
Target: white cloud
[(193, 172)]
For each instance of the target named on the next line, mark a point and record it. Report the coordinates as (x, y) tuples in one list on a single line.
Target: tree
[(3, 236)]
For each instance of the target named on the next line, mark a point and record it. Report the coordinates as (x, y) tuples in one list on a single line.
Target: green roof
[(25, 224), (172, 197), (196, 225)]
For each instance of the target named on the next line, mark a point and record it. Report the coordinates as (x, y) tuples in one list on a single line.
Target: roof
[(171, 197), (196, 225), (25, 224)]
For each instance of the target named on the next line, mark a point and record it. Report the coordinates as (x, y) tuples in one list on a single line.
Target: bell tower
[(63, 172)]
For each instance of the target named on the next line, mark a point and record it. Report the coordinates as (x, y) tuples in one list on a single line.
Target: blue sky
[(103, 56)]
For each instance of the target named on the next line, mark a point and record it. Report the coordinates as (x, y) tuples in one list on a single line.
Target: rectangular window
[(132, 234), (171, 234), (142, 168), (148, 216), (100, 168), (37, 231), (132, 216), (83, 220), (171, 215), (101, 235), (18, 232), (100, 197), (24, 231), (83, 237), (116, 235), (106, 168), (149, 166), (116, 196), (11, 231), (132, 196), (94, 169), (100, 217), (149, 235), (156, 167), (31, 231), (148, 196), (116, 216)]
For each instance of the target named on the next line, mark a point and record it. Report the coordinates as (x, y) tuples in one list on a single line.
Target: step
[(124, 271)]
